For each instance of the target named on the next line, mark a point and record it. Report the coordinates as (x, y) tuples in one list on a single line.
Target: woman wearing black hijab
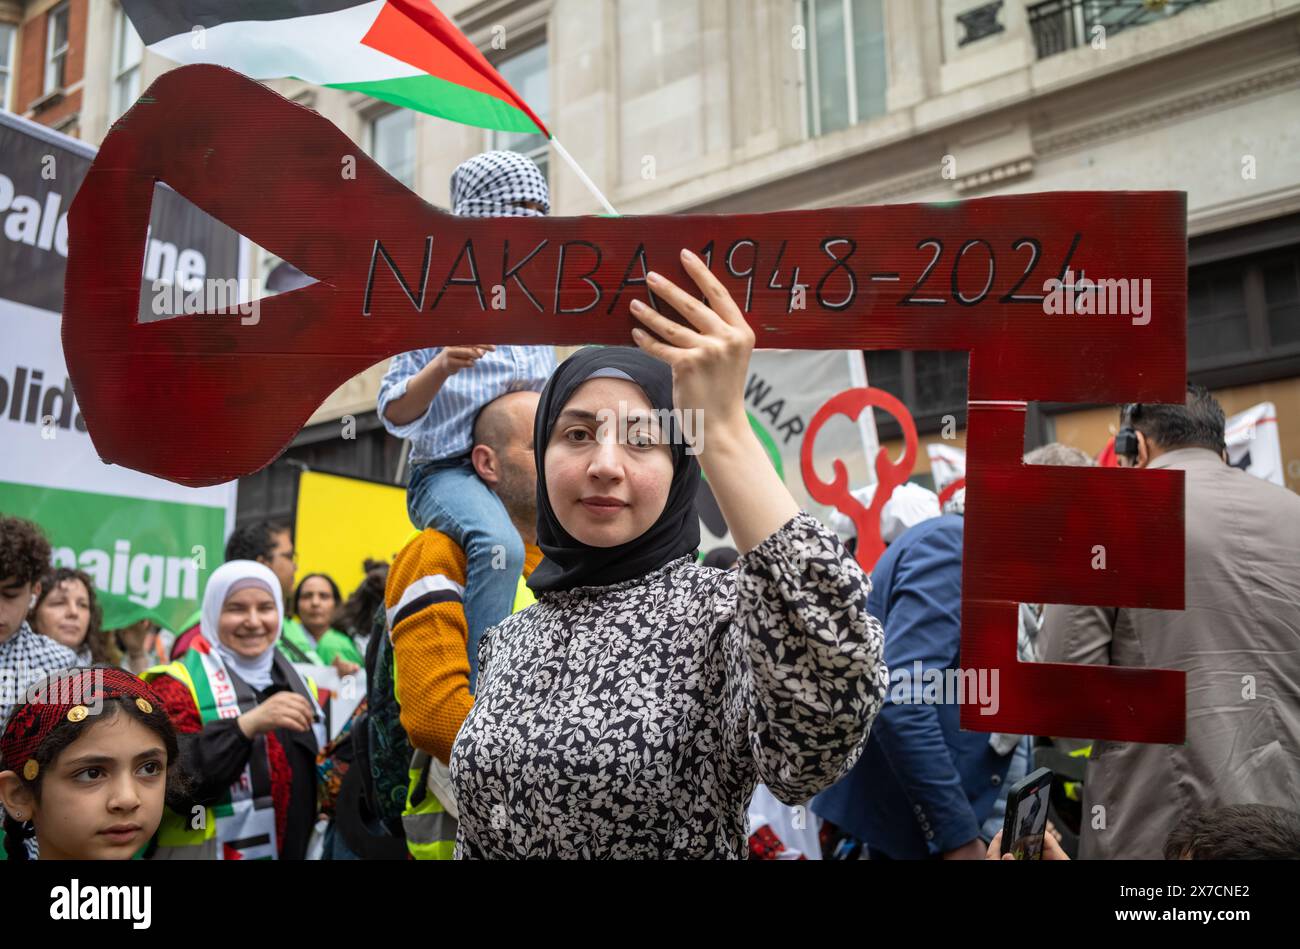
[(633, 709)]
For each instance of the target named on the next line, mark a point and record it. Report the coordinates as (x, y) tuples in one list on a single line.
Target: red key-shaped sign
[(201, 399), (889, 474)]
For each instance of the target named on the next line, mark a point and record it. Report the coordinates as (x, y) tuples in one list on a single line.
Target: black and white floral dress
[(635, 720)]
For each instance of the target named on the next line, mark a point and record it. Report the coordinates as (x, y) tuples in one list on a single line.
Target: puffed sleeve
[(805, 669)]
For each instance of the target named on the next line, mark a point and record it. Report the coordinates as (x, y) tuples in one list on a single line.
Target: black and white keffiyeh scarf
[(496, 184)]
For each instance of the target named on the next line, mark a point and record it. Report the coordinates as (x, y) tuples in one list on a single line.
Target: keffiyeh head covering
[(227, 580), (495, 184), (676, 533)]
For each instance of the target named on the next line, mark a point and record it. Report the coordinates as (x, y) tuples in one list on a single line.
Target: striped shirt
[(446, 429)]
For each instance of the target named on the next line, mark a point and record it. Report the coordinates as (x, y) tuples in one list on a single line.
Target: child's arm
[(426, 383)]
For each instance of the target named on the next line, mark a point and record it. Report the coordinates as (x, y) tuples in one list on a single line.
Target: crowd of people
[(551, 670)]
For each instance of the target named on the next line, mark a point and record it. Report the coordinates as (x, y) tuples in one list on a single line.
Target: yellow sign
[(341, 521)]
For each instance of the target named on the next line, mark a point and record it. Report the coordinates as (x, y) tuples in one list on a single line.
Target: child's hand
[(453, 359)]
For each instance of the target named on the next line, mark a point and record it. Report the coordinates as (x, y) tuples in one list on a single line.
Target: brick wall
[(30, 76)]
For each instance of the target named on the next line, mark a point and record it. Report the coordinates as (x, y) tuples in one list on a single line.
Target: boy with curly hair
[(25, 656)]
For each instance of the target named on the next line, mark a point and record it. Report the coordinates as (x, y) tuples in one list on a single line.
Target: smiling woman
[(633, 709), (250, 729)]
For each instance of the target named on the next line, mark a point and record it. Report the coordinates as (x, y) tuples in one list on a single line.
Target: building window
[(980, 22), (529, 75), (844, 62), (392, 144), (1282, 299), (1244, 310), (1217, 326), (1060, 25), (56, 47), (8, 33), (931, 384), (70, 125), (127, 52)]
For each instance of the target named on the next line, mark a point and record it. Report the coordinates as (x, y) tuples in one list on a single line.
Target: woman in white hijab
[(249, 728)]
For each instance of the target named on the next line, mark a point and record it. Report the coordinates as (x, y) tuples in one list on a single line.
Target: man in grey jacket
[(1238, 640)]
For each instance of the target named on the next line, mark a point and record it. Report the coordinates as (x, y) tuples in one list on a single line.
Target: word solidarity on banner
[(203, 398)]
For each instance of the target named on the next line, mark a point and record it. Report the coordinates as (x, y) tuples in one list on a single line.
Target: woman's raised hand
[(709, 358), (710, 362)]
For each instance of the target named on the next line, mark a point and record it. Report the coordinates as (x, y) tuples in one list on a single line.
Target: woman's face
[(316, 604), (608, 466), (102, 797), (64, 615), (249, 622)]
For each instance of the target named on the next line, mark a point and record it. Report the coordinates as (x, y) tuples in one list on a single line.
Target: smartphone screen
[(1026, 820)]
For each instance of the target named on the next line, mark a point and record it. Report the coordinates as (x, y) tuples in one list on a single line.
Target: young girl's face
[(64, 615), (608, 464), (102, 798)]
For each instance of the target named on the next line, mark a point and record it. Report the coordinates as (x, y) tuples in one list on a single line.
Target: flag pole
[(591, 185)]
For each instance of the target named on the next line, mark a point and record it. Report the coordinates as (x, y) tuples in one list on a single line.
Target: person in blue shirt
[(432, 397), (923, 788)]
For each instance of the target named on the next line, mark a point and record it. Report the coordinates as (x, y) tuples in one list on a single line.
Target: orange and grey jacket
[(426, 620)]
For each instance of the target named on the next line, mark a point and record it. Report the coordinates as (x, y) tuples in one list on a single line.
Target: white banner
[(1254, 444), (785, 389), (45, 440)]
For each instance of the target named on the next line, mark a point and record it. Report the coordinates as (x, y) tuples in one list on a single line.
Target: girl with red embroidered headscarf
[(85, 765)]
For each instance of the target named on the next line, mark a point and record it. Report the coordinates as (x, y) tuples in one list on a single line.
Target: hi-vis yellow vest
[(195, 836), (430, 830)]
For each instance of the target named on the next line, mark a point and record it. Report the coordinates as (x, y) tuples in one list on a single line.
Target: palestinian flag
[(402, 51)]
